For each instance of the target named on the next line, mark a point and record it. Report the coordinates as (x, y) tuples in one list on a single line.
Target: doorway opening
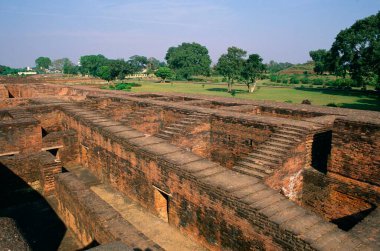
[(161, 204)]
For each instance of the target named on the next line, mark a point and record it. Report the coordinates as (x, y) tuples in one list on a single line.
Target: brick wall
[(92, 219), (231, 138), (197, 207)]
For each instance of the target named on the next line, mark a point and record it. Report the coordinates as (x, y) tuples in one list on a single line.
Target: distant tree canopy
[(274, 67), (58, 64), (230, 65), (90, 64), (43, 63), (104, 72), (6, 70), (252, 69), (110, 69), (189, 59), (138, 63), (70, 68), (153, 64), (321, 59), (164, 73), (356, 50)]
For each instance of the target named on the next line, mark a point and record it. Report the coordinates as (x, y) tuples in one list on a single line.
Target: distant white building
[(27, 73)]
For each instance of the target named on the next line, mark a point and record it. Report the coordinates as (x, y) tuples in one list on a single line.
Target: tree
[(138, 63), (356, 50), (252, 70), (230, 65), (189, 59), (274, 67), (58, 64), (104, 72), (164, 73), (320, 58), (153, 64), (91, 63), (119, 68), (43, 63), (70, 68)]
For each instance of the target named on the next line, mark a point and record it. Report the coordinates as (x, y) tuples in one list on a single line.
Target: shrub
[(306, 102), (294, 80), (305, 81), (332, 105), (285, 81), (273, 78), (318, 81)]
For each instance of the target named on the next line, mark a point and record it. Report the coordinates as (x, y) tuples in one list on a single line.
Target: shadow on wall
[(39, 224), (347, 222)]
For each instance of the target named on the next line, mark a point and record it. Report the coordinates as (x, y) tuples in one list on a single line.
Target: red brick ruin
[(83, 167)]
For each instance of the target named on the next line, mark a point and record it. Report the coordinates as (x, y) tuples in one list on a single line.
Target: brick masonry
[(113, 135)]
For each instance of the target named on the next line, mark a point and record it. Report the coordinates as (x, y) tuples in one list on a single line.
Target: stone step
[(171, 128), (289, 132), (282, 146), (255, 166), (283, 140), (162, 136), (295, 128), (274, 149), (285, 136), (270, 152), (250, 172), (260, 161), (168, 132), (264, 156)]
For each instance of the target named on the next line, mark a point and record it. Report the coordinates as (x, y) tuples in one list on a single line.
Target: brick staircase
[(270, 154), (174, 129), (136, 115)]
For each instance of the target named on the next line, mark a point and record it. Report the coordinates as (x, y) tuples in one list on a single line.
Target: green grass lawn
[(345, 99)]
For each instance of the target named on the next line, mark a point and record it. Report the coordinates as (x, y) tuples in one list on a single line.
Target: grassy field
[(345, 99)]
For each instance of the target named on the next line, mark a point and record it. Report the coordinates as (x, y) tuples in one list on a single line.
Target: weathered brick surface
[(355, 149), (197, 207), (92, 219)]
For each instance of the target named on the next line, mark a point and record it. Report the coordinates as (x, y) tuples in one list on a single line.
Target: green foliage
[(332, 104), (305, 81), (357, 50), (43, 63), (294, 80), (104, 72), (318, 81), (6, 70), (59, 64), (90, 64), (69, 68), (273, 78), (274, 67), (122, 86), (285, 81), (138, 63), (189, 59), (320, 57), (230, 65), (164, 73), (253, 69)]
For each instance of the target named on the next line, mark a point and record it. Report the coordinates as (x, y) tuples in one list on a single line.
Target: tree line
[(355, 53)]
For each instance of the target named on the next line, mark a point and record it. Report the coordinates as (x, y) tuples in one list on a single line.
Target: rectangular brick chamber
[(176, 156)]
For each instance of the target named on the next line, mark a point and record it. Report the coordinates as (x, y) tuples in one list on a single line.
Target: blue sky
[(282, 30)]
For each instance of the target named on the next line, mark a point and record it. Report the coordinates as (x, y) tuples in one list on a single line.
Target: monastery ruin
[(84, 168)]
